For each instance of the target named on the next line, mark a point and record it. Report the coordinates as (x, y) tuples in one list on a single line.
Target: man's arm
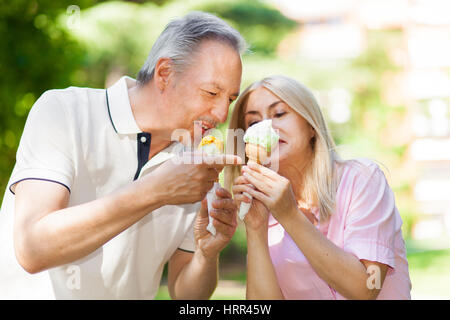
[(195, 275), (192, 276), (48, 234)]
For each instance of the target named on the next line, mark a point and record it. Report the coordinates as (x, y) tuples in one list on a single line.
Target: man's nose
[(220, 112)]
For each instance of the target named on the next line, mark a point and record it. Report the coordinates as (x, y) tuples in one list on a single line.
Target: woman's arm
[(341, 270), (262, 281)]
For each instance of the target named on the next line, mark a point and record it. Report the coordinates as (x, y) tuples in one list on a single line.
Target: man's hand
[(182, 183), (224, 214)]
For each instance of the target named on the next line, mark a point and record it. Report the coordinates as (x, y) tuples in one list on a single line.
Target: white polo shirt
[(88, 141)]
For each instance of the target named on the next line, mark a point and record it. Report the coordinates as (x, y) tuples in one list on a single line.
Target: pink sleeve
[(371, 222)]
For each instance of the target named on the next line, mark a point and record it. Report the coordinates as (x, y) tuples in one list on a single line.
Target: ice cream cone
[(211, 145), (259, 140), (256, 153)]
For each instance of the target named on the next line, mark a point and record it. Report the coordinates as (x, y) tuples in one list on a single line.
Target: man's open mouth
[(205, 125)]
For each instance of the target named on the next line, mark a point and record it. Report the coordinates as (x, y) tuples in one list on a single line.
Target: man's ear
[(163, 72)]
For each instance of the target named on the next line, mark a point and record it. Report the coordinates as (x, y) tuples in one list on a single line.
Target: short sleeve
[(188, 243), (45, 150), (371, 223)]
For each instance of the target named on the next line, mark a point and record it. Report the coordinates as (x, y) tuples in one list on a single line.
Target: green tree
[(37, 53), (260, 24)]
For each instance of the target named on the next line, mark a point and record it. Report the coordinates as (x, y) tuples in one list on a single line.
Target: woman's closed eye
[(279, 114)]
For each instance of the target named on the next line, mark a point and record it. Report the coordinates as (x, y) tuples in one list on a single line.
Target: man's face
[(201, 94)]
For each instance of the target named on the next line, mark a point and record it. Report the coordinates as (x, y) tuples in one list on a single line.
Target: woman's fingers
[(241, 180), (266, 172), (240, 188), (240, 197), (258, 181), (254, 193)]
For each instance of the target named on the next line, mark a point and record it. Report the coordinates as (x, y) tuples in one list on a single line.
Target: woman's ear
[(163, 72), (312, 132), (312, 137)]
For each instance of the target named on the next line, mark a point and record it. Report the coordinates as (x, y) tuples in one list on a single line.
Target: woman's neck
[(295, 174), (295, 171)]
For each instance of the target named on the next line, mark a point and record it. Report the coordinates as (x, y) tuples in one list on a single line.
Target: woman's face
[(295, 132)]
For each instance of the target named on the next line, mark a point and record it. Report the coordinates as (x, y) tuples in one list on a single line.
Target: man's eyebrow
[(215, 84)]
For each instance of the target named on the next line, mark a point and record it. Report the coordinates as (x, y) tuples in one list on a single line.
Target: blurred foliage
[(42, 50), (261, 25), (37, 53)]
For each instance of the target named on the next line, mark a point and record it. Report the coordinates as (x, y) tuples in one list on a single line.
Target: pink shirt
[(366, 223)]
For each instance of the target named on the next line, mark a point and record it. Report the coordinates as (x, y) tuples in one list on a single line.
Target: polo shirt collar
[(119, 107), (166, 154)]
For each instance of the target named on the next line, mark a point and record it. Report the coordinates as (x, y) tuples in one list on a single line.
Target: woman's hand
[(262, 280), (271, 189), (258, 215)]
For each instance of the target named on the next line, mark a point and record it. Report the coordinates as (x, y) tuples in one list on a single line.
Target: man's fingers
[(224, 228), (223, 193), (197, 157), (222, 160), (223, 216), (224, 204), (203, 213), (212, 174)]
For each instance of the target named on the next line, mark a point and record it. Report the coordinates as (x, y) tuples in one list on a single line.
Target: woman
[(320, 227)]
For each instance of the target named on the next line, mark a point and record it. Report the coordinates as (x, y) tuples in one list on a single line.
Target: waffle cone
[(256, 153)]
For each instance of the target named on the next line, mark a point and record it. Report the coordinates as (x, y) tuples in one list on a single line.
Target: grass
[(430, 274), (226, 290)]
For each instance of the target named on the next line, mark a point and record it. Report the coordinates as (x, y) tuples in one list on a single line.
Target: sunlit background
[(380, 70)]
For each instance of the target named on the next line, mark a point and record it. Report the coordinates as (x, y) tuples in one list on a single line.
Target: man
[(98, 204)]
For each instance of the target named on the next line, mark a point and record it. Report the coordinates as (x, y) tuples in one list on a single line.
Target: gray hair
[(181, 38)]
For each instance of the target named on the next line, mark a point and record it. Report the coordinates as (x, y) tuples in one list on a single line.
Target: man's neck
[(149, 116)]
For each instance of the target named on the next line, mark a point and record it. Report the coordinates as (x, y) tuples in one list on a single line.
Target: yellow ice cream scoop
[(211, 145)]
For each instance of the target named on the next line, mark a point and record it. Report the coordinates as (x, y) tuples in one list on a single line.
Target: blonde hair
[(319, 182)]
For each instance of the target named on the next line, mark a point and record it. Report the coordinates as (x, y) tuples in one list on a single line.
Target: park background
[(380, 70)]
